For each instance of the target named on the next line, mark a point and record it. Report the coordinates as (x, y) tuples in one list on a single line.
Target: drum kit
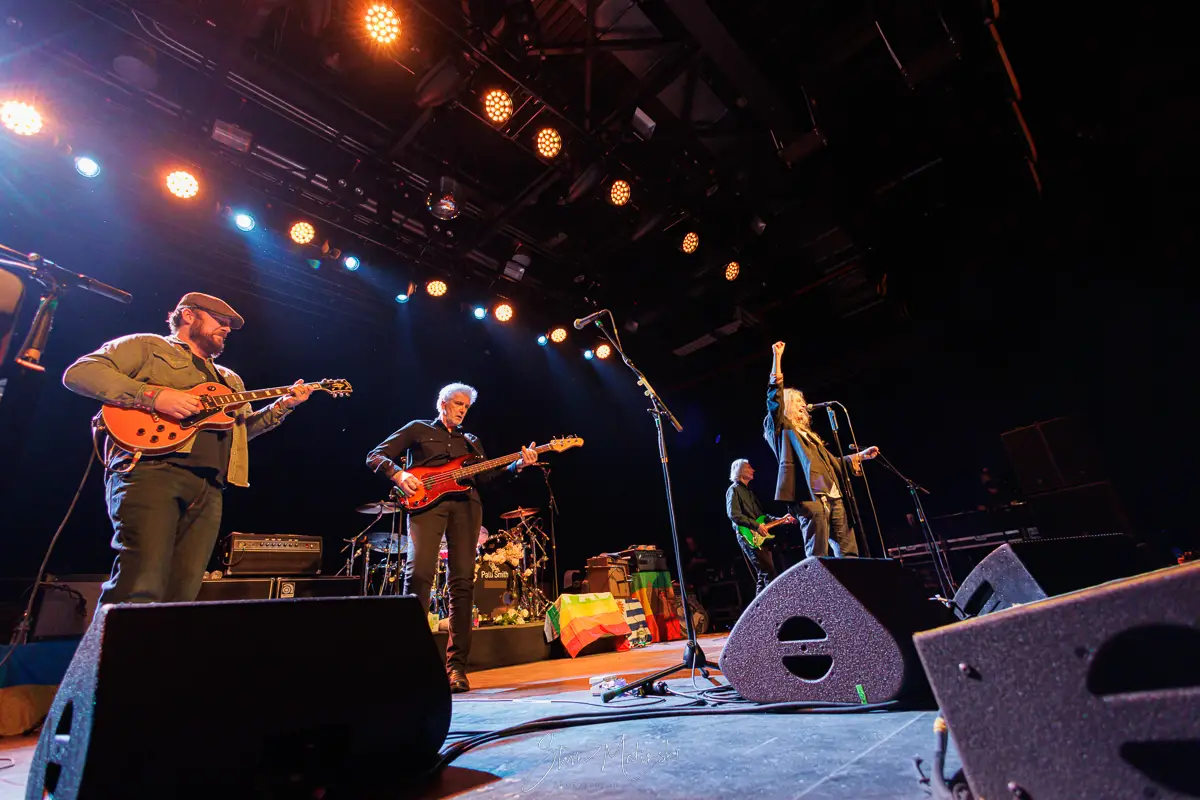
[(519, 552)]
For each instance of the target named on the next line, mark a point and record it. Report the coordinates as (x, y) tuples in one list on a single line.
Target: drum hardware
[(519, 513), (381, 508)]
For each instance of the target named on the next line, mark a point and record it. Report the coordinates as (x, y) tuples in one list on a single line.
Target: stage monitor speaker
[(251, 698), (833, 630), (1025, 572), (1094, 695)]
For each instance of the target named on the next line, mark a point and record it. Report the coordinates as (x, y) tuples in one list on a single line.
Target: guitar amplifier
[(608, 574), (643, 558), (218, 589), (257, 554)]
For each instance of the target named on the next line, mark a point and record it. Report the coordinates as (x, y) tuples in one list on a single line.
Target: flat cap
[(213, 305)]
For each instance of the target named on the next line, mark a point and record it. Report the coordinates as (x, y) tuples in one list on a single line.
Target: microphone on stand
[(827, 404), (583, 322)]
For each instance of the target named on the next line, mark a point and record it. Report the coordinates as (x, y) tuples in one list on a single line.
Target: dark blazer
[(790, 453)]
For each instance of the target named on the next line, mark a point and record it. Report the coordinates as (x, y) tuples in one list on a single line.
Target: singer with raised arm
[(811, 480), (458, 517)]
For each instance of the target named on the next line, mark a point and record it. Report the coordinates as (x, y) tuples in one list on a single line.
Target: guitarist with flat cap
[(166, 508)]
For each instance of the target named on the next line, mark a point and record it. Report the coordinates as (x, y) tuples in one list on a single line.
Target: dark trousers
[(460, 519), (762, 562), (165, 524), (823, 522)]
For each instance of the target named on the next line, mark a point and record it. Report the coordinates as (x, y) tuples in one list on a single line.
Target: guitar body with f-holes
[(445, 479), (149, 433)]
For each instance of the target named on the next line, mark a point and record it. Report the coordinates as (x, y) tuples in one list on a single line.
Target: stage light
[(442, 202), (20, 118), (504, 312), (542, 340), (87, 167), (620, 193), (436, 288), (480, 312), (402, 298), (589, 355), (302, 233), (182, 184), (549, 143), (498, 106), (690, 242), (352, 263), (244, 222), (382, 24), (603, 351), (731, 270), (558, 335)]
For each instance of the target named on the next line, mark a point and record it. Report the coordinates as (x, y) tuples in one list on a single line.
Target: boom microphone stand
[(693, 656), (940, 563), (552, 505), (855, 516)]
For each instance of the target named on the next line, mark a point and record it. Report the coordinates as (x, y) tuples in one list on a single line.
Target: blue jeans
[(822, 523), (165, 524)]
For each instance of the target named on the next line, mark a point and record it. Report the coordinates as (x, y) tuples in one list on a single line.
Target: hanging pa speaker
[(253, 698), (833, 630), (1093, 695)]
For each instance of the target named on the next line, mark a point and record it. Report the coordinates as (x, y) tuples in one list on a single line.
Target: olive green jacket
[(131, 371)]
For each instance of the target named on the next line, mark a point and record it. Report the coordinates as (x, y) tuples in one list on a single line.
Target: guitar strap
[(473, 441)]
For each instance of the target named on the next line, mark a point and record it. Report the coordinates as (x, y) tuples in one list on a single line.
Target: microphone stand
[(693, 656), (551, 504), (941, 564), (870, 499), (855, 516)]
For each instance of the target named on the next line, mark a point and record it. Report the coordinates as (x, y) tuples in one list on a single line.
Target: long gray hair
[(451, 389), (735, 469)]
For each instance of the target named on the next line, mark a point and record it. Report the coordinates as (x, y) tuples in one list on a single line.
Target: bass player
[(166, 509), (458, 517)]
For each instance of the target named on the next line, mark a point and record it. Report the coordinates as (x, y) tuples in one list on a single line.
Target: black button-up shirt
[(742, 507), (429, 443)]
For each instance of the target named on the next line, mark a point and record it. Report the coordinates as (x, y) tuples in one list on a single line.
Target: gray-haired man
[(458, 517)]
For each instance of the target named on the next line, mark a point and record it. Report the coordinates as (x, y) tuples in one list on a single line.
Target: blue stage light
[(352, 263), (401, 298), (542, 340), (244, 222), (480, 312), (87, 167), (589, 355)]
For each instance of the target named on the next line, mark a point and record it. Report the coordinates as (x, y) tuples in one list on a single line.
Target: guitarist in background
[(458, 516), (744, 511), (166, 510)]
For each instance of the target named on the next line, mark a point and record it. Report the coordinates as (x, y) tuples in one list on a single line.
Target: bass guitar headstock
[(565, 443)]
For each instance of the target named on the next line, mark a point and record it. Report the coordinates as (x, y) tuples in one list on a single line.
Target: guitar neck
[(238, 398), (775, 522), (484, 466)]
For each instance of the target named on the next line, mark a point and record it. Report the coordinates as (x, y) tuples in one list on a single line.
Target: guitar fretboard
[(259, 394), (482, 466)]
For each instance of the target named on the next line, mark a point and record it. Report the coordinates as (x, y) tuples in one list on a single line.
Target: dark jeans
[(823, 523), (459, 518), (165, 523), (761, 561)]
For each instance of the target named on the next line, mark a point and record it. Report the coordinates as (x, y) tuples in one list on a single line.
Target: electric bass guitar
[(437, 482), (149, 433), (755, 538)]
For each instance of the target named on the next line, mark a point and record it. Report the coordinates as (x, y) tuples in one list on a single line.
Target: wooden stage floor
[(858, 756)]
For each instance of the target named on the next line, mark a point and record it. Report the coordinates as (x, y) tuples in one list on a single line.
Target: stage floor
[(856, 756)]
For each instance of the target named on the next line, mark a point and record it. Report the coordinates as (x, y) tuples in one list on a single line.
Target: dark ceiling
[(814, 142)]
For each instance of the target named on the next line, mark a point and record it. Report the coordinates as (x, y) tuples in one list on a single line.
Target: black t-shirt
[(210, 449)]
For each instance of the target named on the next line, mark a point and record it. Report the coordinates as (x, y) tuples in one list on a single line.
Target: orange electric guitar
[(153, 434), (437, 482)]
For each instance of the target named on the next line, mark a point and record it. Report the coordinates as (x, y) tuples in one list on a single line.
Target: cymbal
[(386, 507), (519, 513), (383, 541)]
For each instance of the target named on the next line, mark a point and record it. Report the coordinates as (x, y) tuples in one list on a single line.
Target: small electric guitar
[(755, 538), (150, 433), (437, 482)]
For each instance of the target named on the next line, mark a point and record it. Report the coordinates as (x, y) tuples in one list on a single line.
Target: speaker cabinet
[(834, 630), (1093, 695), (1025, 572), (250, 698)]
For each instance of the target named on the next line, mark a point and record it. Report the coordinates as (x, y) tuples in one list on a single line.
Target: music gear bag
[(245, 699), (1025, 572), (1092, 695), (834, 630)]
